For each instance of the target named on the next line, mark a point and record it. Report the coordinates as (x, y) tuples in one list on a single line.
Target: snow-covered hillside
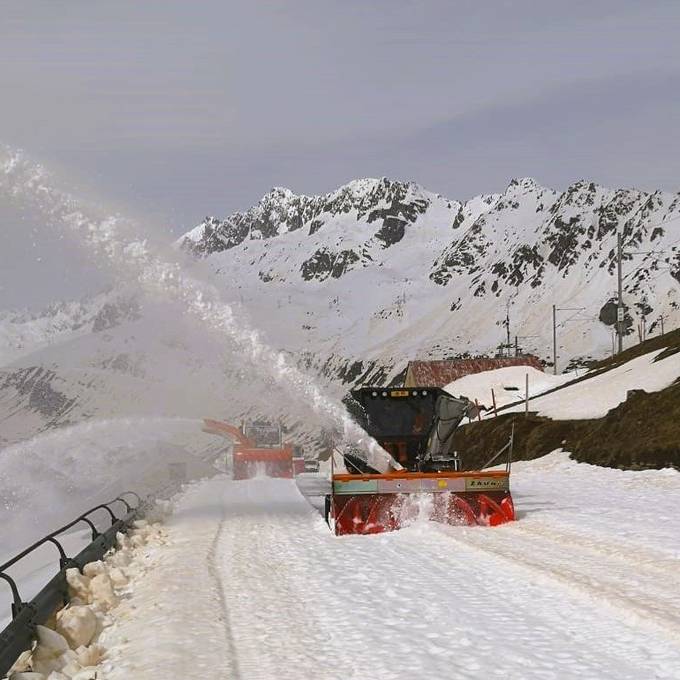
[(23, 332), (569, 396), (381, 271)]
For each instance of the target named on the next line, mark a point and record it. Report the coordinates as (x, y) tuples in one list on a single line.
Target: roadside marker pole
[(554, 339), (526, 396)]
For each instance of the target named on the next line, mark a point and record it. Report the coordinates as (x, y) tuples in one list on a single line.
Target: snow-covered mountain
[(352, 285), (23, 331), (379, 272)]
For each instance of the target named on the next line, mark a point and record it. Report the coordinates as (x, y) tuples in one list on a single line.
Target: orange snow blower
[(416, 427), (258, 449)]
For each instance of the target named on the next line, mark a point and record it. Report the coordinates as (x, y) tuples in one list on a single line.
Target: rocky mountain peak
[(391, 204)]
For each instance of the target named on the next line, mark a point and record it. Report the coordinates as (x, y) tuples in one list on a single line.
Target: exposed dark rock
[(35, 385), (325, 263)]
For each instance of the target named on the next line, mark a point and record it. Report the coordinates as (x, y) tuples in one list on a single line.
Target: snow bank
[(596, 396), (68, 646), (589, 398), (507, 383)]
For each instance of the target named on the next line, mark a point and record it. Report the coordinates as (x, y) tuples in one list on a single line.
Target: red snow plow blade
[(371, 504), (254, 462)]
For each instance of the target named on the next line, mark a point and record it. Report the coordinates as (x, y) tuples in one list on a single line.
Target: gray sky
[(176, 110)]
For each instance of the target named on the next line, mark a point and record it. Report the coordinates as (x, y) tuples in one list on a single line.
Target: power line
[(556, 309)]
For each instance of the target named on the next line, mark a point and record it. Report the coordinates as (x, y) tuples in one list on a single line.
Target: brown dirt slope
[(642, 432)]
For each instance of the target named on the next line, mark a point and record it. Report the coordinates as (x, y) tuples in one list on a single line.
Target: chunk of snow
[(49, 650), (92, 569), (79, 585), (118, 577), (23, 663), (50, 642), (89, 656), (77, 624), (102, 592)]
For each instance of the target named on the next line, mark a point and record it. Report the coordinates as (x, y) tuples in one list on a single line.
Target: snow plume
[(114, 239), (59, 474)]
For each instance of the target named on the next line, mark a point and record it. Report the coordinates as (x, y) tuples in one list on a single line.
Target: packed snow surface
[(252, 585)]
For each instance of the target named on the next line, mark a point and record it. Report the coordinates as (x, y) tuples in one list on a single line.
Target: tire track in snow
[(276, 633), (214, 556), (646, 558), (563, 626), (642, 591), (406, 605), (170, 623)]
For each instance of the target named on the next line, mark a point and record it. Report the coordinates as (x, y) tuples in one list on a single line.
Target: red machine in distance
[(258, 451)]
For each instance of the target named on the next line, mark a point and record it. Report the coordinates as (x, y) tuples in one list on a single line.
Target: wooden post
[(479, 411), (619, 307), (554, 339), (526, 396), (493, 399)]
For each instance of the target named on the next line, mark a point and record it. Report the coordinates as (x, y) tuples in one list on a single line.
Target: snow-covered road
[(253, 586)]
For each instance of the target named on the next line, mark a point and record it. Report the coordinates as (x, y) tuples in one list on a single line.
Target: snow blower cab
[(415, 426)]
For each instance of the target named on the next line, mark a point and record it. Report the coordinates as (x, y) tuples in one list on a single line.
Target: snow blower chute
[(258, 449), (416, 426)]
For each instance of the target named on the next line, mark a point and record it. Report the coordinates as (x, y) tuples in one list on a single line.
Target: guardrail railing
[(19, 635)]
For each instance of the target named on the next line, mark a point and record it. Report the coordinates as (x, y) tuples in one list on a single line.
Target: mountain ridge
[(352, 287), (499, 248)]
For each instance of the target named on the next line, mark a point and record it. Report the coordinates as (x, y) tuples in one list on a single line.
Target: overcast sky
[(177, 110)]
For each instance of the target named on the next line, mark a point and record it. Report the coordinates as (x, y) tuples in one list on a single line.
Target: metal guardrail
[(19, 635)]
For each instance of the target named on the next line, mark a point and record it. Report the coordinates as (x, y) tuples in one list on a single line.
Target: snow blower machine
[(415, 426), (259, 449)]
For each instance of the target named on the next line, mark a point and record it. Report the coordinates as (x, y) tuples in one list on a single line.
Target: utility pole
[(619, 308), (507, 329), (554, 339)]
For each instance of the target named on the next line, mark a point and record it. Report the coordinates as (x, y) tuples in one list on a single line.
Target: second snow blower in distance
[(415, 425), (259, 449)]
